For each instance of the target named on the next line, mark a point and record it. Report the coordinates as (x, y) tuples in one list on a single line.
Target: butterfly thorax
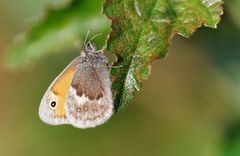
[(92, 57)]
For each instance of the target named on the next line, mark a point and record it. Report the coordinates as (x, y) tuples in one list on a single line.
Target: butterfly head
[(91, 48)]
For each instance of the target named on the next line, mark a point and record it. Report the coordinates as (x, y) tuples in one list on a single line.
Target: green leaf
[(60, 29), (142, 31)]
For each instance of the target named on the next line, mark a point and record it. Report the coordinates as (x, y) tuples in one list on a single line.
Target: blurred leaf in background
[(59, 29)]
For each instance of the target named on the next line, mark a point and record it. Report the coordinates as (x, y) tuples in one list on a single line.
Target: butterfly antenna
[(94, 36), (85, 41)]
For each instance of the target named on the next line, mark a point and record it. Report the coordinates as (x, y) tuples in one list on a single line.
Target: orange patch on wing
[(60, 89)]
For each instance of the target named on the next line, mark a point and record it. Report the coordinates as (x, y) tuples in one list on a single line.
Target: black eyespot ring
[(53, 104)]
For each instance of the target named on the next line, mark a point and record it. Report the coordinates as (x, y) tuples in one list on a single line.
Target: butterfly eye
[(53, 104)]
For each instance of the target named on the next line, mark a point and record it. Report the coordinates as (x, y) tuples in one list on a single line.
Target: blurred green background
[(190, 106)]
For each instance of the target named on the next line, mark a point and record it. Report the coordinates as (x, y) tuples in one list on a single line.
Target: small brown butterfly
[(81, 95)]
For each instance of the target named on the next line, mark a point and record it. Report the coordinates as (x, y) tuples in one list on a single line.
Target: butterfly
[(81, 95)]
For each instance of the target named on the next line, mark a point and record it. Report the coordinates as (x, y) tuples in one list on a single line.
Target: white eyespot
[(53, 104)]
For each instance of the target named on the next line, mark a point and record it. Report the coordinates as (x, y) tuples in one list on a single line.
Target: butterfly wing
[(89, 101), (52, 107)]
